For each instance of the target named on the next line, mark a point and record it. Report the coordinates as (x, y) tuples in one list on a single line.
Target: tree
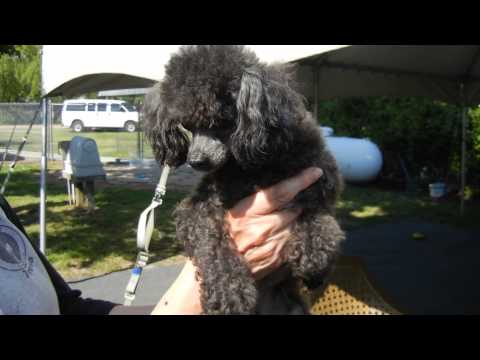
[(20, 76), (29, 72), (474, 168), (7, 49), (9, 83)]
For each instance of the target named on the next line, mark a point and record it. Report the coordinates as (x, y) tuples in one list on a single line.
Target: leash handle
[(146, 224)]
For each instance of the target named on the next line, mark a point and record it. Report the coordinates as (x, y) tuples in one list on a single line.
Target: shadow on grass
[(363, 205), (111, 229)]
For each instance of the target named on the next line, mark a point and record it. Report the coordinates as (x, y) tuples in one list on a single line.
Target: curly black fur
[(250, 129)]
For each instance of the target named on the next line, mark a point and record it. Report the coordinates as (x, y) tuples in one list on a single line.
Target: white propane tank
[(359, 160)]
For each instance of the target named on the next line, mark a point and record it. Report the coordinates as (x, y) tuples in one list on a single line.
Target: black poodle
[(241, 121)]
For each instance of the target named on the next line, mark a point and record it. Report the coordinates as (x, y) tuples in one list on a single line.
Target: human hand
[(259, 230)]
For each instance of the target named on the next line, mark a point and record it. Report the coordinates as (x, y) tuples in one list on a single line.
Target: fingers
[(281, 194), (268, 200), (268, 248), (266, 258), (250, 232)]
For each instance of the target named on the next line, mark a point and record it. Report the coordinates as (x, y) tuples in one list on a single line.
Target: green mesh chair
[(349, 291)]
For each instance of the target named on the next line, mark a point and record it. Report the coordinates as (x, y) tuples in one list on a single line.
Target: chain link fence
[(15, 119)]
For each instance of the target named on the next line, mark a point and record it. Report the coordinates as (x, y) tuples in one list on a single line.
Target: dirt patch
[(135, 175)]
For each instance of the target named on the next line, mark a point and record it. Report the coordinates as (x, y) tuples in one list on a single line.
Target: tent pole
[(43, 239), (315, 90), (464, 149), (464, 153)]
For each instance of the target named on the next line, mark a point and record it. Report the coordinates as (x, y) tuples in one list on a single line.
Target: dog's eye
[(232, 94)]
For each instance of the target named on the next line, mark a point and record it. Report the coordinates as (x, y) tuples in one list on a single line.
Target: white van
[(99, 114)]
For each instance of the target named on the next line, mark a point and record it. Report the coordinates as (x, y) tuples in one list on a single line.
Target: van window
[(91, 107), (130, 107), (102, 107), (116, 108), (76, 107)]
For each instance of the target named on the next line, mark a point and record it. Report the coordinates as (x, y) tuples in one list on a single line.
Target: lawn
[(82, 244), (117, 144)]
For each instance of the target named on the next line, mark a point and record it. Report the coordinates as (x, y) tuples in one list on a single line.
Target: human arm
[(259, 232)]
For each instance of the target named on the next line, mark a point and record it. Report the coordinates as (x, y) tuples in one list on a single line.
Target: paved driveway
[(437, 275), (154, 282)]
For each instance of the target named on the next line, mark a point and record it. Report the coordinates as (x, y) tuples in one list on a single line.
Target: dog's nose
[(199, 164)]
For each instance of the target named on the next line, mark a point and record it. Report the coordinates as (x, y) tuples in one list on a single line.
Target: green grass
[(117, 144), (367, 205), (83, 244)]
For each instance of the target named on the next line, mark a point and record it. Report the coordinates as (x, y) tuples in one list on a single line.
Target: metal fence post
[(138, 143), (43, 183)]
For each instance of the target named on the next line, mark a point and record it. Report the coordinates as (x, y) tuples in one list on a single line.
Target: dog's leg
[(314, 248), (283, 298), (227, 286)]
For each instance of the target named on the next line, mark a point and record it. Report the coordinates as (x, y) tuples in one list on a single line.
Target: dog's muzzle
[(200, 163)]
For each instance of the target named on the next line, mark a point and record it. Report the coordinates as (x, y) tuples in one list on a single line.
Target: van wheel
[(77, 126), (130, 126)]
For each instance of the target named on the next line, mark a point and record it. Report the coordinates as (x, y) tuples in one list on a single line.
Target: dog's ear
[(267, 109), (164, 131)]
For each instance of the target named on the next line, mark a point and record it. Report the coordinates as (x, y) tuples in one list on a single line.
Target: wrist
[(183, 297)]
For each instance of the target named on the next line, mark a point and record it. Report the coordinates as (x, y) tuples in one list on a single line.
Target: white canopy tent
[(449, 73), (430, 71), (71, 70)]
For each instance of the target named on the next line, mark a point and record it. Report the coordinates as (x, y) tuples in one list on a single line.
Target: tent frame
[(462, 101)]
